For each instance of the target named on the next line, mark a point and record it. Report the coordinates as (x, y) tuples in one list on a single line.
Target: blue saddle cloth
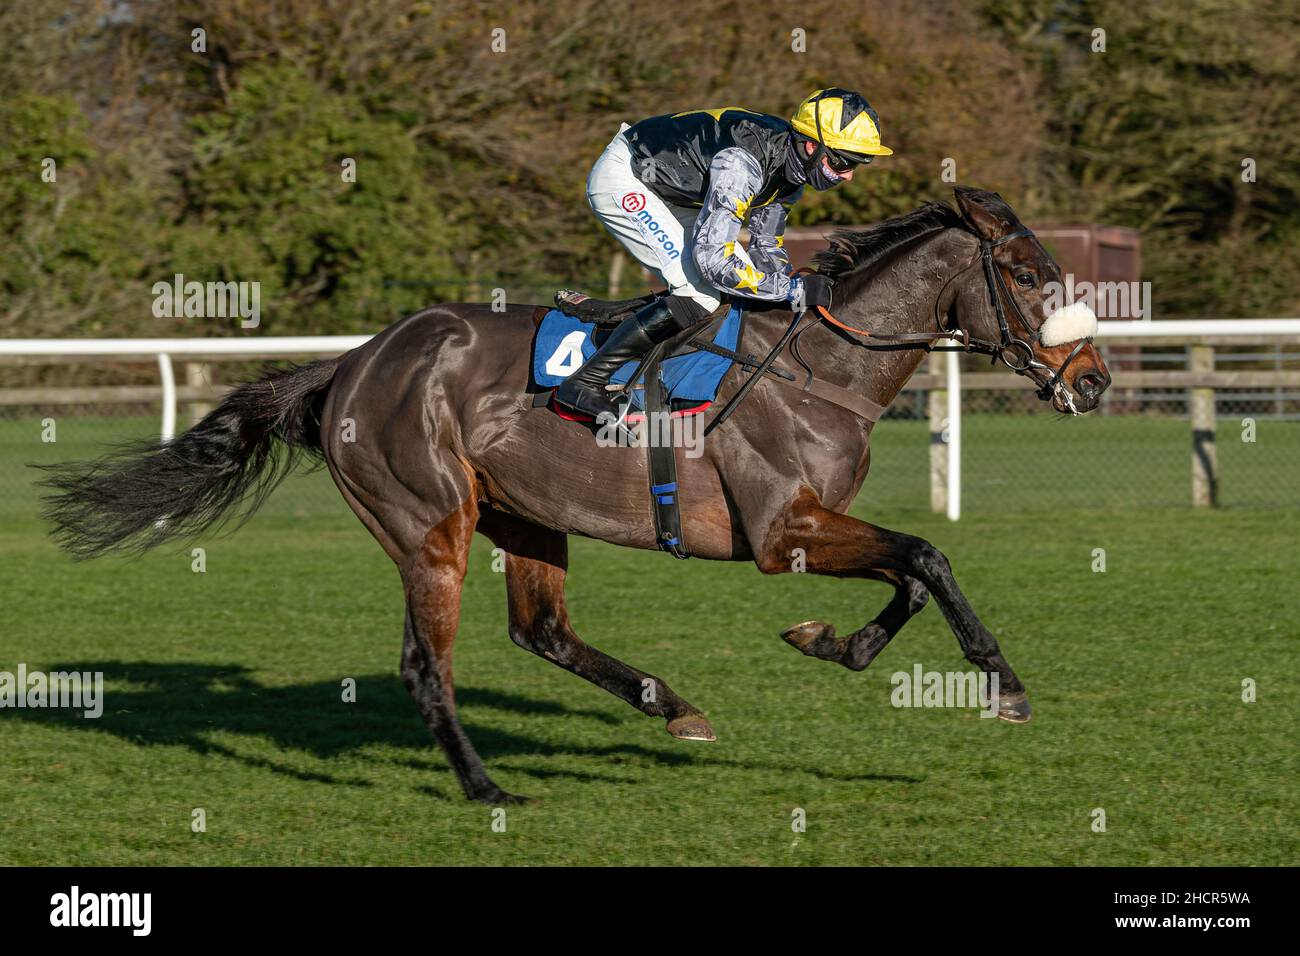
[(563, 343)]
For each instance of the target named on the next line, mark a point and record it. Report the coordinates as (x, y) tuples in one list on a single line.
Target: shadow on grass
[(185, 704)]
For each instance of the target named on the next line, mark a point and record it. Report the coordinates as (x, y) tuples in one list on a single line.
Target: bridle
[(993, 278), (1016, 354)]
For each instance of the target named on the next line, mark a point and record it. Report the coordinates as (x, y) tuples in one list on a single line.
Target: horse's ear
[(979, 208)]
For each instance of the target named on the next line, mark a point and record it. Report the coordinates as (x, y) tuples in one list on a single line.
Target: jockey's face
[(809, 147)]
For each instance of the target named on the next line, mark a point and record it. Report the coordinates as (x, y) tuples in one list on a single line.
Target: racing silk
[(763, 273), (672, 154), (732, 163)]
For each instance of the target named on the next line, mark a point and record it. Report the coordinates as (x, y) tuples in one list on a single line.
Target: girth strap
[(662, 461)]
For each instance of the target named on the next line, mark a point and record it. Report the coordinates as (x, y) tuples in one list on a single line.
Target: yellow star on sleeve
[(742, 207), (747, 277)]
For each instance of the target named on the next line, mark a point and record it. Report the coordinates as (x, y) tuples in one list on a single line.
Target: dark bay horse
[(430, 436)]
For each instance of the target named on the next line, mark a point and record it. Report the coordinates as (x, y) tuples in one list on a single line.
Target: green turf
[(224, 693)]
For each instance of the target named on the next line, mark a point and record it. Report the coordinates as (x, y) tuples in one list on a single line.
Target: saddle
[(676, 379), (677, 393), (693, 362)]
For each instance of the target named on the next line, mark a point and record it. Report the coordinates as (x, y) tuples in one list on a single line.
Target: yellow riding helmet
[(842, 120)]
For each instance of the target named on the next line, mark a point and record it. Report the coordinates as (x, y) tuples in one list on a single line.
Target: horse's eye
[(1025, 280)]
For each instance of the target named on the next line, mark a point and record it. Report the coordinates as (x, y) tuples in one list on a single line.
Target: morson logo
[(656, 232)]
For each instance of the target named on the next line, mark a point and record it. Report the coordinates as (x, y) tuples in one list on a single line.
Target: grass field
[(223, 688)]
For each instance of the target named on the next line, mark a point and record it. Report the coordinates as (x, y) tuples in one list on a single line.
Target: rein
[(1016, 353)]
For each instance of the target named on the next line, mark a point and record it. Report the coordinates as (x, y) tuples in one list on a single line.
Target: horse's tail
[(142, 494)]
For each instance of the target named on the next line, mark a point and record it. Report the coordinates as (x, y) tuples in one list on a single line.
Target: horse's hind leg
[(433, 577), (536, 561)]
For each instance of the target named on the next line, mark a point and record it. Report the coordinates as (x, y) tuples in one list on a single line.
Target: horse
[(429, 435)]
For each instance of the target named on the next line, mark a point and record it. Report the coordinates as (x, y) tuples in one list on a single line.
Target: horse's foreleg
[(433, 577), (856, 651), (836, 544), (536, 560)]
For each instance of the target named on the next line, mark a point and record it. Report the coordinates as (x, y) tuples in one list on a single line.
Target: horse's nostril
[(1090, 383)]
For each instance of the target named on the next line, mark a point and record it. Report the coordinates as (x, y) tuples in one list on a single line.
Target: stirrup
[(620, 424), (611, 392)]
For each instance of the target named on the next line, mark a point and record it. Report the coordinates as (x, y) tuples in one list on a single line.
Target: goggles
[(841, 162)]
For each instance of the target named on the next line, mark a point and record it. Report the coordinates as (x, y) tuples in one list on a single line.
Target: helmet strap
[(810, 162)]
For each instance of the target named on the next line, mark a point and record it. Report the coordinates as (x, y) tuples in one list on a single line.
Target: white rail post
[(168, 396), (197, 375), (616, 262), (936, 403), (954, 433), (1205, 460)]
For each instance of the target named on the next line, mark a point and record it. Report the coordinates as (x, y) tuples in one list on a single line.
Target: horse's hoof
[(1014, 708), (691, 727), (808, 634)]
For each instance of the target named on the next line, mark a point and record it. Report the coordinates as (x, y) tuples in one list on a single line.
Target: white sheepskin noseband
[(1069, 324)]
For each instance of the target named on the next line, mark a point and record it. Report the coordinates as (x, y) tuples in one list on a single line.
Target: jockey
[(675, 190)]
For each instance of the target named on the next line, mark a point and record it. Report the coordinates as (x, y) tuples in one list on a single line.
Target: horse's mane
[(854, 256)]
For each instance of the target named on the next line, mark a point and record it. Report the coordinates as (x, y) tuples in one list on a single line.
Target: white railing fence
[(946, 387), (1200, 379), (286, 346)]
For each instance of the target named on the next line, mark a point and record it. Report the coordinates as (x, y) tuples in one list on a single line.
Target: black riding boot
[(586, 389)]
